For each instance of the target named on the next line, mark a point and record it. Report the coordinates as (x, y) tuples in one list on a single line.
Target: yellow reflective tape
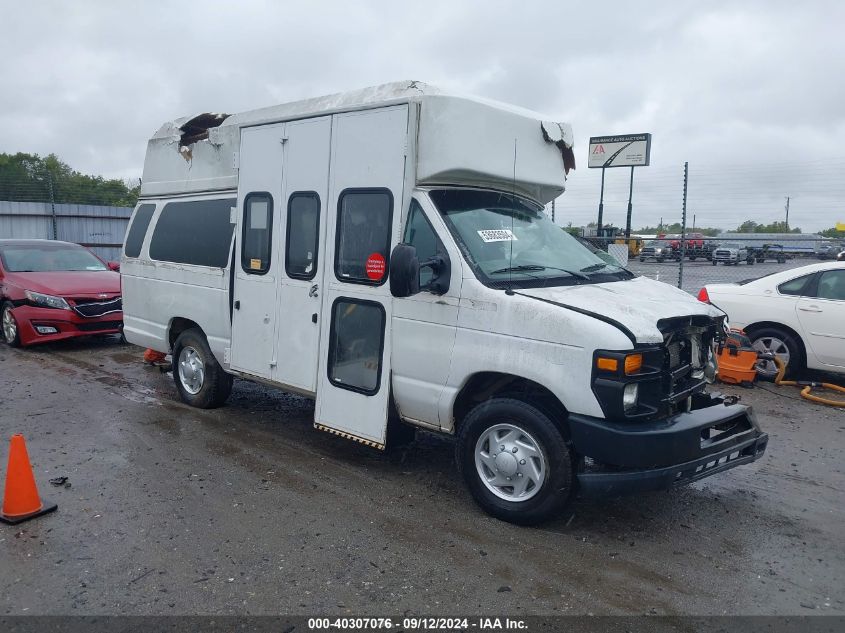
[(349, 436)]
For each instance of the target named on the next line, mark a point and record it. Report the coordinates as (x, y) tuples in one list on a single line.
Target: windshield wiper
[(594, 267), (597, 267), (518, 269), (527, 267)]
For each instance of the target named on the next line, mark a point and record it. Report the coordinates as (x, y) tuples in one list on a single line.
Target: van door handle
[(810, 308), (313, 291), (237, 305)]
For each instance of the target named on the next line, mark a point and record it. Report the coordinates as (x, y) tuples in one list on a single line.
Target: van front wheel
[(199, 378), (515, 461)]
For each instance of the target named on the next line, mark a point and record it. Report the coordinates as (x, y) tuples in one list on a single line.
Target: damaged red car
[(51, 290)]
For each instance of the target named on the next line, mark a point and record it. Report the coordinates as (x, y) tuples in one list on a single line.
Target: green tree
[(29, 178), (750, 226), (676, 228), (832, 232)]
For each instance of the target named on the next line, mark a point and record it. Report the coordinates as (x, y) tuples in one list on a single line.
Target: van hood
[(637, 304)]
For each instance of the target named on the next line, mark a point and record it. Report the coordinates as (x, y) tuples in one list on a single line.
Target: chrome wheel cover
[(191, 370), (10, 328), (510, 462), (770, 345)]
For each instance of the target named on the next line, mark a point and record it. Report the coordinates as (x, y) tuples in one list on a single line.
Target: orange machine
[(737, 359)]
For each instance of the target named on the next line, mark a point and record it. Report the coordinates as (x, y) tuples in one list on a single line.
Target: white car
[(797, 314)]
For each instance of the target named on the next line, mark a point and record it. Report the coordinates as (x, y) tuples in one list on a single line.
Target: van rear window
[(197, 232)]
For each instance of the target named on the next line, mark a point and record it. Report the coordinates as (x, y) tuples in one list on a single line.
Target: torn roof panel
[(472, 145)]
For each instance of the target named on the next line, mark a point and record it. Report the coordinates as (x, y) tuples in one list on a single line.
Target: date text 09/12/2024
[(416, 623)]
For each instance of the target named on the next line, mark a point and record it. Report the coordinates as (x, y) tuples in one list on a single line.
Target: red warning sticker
[(376, 265)]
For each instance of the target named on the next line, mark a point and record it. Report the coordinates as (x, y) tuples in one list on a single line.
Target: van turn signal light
[(607, 364), (633, 363)]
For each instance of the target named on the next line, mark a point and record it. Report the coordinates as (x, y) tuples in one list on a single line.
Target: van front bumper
[(625, 457)]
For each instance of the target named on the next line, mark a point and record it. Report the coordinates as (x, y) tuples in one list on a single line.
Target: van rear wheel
[(199, 378), (515, 461)]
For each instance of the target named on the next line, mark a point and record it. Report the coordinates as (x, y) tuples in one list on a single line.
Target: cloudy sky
[(752, 94)]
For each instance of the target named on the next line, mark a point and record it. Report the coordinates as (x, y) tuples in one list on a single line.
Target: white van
[(385, 252)]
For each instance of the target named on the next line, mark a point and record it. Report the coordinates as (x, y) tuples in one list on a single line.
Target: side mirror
[(115, 266), (404, 271)]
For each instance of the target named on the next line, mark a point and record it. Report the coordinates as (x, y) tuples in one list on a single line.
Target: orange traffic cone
[(152, 357), (21, 500)]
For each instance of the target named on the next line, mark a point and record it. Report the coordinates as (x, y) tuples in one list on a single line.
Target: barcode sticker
[(497, 235)]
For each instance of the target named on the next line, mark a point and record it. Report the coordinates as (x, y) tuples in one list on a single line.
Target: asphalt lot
[(248, 510), (701, 272)]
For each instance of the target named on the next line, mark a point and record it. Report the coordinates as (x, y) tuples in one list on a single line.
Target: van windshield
[(508, 240)]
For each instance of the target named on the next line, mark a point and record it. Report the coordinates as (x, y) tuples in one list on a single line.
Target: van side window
[(363, 235), (197, 232), (420, 234), (257, 233), (356, 343), (302, 235), (138, 230)]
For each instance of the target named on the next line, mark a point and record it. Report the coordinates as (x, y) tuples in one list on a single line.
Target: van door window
[(420, 234), (303, 231), (257, 233), (356, 343), (363, 235)]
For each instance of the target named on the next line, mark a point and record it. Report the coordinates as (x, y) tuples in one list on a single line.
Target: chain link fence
[(698, 260)]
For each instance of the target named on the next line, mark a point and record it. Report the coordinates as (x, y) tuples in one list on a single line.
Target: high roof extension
[(459, 141)]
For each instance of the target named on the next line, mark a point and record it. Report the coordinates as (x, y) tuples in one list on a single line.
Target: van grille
[(678, 362)]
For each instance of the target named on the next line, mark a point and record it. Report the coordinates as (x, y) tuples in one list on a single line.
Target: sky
[(750, 94)]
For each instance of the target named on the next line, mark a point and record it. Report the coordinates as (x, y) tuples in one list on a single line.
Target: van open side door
[(365, 199)]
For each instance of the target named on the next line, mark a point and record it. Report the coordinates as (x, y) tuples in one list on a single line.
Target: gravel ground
[(248, 510)]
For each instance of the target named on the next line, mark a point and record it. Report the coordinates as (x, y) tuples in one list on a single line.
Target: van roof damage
[(459, 140)]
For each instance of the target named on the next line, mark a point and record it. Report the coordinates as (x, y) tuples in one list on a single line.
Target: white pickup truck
[(385, 252)]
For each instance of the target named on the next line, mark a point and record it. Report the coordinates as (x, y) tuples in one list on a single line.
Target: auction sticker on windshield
[(497, 235)]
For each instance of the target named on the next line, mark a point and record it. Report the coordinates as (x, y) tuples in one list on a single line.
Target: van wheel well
[(179, 325), (486, 385)]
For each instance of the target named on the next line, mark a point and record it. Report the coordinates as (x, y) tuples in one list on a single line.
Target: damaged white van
[(385, 252)]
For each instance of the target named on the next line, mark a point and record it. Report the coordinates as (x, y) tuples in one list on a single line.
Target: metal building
[(102, 229)]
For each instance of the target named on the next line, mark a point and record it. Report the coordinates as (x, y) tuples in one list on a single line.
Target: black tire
[(692, 258), (557, 485), (750, 261), (660, 260), (642, 259), (14, 341), (214, 387), (797, 361), (713, 261)]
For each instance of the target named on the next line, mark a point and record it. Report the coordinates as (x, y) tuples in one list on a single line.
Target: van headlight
[(46, 301), (630, 396)]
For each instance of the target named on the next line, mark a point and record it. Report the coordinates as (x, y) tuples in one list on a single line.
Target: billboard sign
[(627, 150)]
